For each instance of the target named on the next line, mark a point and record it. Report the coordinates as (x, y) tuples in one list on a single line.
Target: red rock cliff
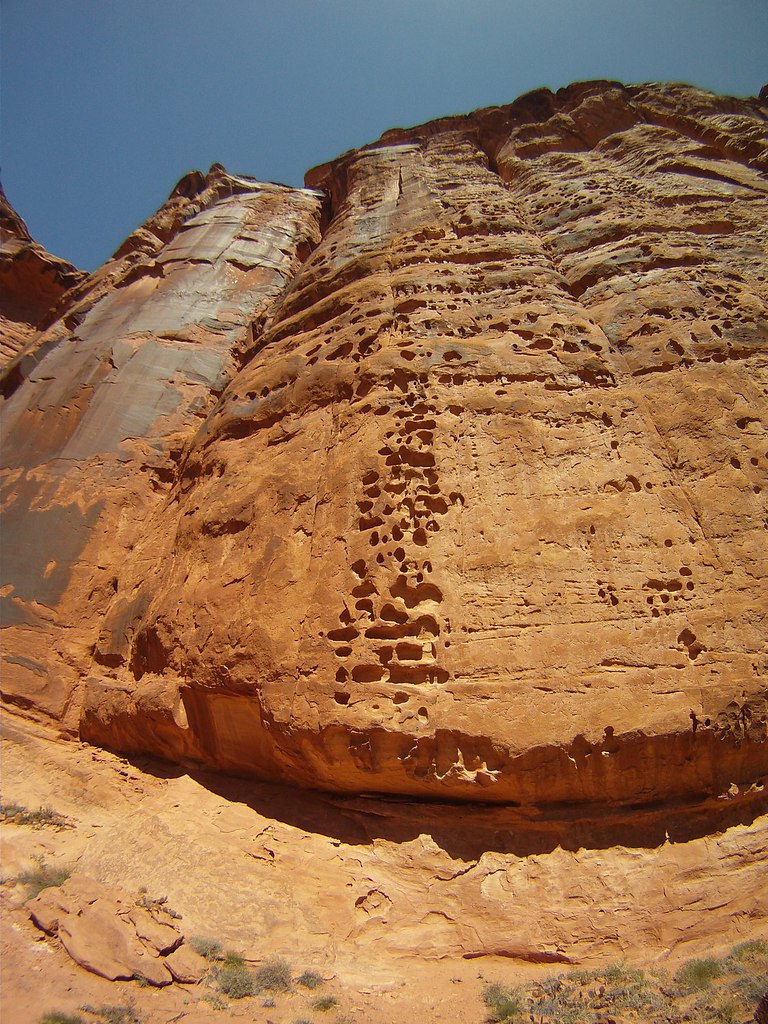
[(445, 476)]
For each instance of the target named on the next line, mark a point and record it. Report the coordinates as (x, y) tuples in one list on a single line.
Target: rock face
[(31, 282), (442, 477)]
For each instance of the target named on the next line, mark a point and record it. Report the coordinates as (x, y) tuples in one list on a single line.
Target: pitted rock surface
[(443, 477)]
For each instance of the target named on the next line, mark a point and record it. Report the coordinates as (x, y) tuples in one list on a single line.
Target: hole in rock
[(409, 652), (368, 673), (391, 614), (346, 634), (411, 596)]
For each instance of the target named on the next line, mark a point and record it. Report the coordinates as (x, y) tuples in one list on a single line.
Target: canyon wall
[(443, 477)]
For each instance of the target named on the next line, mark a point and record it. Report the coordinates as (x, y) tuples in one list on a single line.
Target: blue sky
[(104, 104)]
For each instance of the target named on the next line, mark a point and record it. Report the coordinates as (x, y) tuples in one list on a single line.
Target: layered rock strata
[(31, 282), (444, 477)]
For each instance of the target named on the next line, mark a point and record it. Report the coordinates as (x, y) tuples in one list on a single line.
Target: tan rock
[(186, 966), (104, 932), (104, 944), (162, 937)]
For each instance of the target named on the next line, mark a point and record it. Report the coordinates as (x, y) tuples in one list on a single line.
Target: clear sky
[(104, 104)]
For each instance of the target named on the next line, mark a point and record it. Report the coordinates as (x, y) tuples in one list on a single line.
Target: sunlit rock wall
[(443, 477)]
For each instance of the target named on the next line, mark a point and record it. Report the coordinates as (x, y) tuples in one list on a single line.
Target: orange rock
[(31, 283), (104, 932), (444, 477), (186, 966), (103, 944)]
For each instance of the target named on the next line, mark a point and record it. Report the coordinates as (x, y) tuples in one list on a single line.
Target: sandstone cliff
[(31, 282), (442, 477)]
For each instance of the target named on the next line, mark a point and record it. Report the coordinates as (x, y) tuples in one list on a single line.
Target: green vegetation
[(310, 979), (126, 1014), (235, 980), (43, 876), (324, 1004), (274, 975), (504, 1004), (41, 817), (56, 1017), (698, 974), (708, 991), (211, 949)]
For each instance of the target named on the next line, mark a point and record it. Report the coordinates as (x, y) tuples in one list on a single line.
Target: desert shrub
[(126, 1014), (9, 811), (57, 1017), (235, 980), (232, 959), (621, 974), (43, 876), (748, 950), (698, 974), (324, 1004), (504, 1004), (216, 1002), (42, 817), (39, 818), (209, 948), (274, 975), (751, 984), (309, 979), (155, 905)]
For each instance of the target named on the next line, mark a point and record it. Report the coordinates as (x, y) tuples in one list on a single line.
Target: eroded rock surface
[(444, 477), (32, 281), (113, 936)]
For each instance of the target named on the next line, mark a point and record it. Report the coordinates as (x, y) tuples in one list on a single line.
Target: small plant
[(208, 948), (504, 1004), (324, 1004), (749, 949), (698, 974), (216, 1002), (39, 818), (310, 979), (9, 811), (232, 959), (126, 1014), (235, 980), (274, 975), (620, 974), (269, 1002), (43, 876), (57, 1017)]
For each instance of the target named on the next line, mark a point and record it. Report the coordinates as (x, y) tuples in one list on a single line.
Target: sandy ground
[(109, 803)]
